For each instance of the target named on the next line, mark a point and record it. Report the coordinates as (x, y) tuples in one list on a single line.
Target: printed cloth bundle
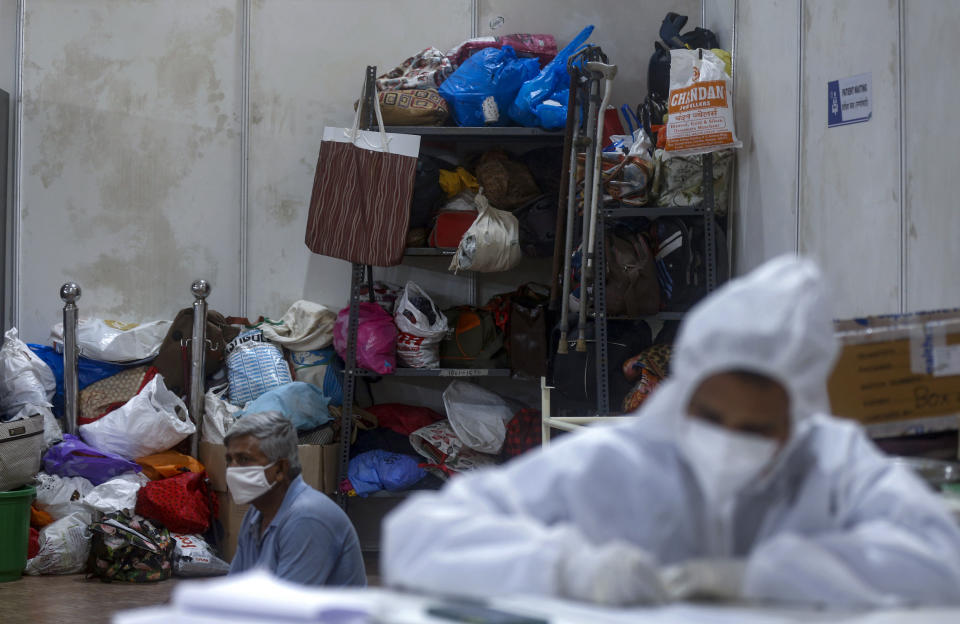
[(99, 399)]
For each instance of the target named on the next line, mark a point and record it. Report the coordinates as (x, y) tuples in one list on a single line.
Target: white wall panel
[(130, 157), (849, 182), (625, 29), (766, 100), (307, 66), (932, 134)]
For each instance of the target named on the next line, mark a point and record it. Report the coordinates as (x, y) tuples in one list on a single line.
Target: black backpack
[(681, 269), (538, 226), (427, 193), (677, 263), (658, 71)]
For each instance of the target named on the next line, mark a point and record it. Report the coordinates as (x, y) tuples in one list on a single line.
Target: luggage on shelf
[(422, 326), (376, 338), (473, 341)]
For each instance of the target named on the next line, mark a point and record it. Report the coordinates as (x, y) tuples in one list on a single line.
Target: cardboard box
[(231, 517), (899, 368), (319, 464)]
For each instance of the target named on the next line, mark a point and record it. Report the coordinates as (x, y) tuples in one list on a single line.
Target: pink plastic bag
[(541, 47), (376, 338)]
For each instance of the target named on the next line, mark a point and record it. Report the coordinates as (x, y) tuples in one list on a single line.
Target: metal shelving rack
[(706, 210), (361, 276)]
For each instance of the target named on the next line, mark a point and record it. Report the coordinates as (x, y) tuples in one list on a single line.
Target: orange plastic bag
[(168, 464), (39, 518)]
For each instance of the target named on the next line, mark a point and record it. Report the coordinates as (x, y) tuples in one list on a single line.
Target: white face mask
[(724, 461), (248, 483)]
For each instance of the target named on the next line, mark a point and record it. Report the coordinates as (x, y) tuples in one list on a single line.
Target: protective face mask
[(248, 483), (724, 461)]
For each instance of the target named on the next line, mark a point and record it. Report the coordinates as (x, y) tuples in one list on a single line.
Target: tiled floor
[(73, 599)]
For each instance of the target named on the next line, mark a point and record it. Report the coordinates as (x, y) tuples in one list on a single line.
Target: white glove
[(718, 579), (614, 574)]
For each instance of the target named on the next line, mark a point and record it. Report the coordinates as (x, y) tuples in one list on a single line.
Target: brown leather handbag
[(632, 285)]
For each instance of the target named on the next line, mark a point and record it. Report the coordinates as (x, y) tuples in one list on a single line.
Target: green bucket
[(14, 531)]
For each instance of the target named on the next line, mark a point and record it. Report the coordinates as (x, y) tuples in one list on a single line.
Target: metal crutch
[(69, 293), (608, 72), (198, 346), (588, 182), (575, 145)]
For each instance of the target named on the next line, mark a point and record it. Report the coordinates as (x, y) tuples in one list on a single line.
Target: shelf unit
[(364, 512), (705, 210)]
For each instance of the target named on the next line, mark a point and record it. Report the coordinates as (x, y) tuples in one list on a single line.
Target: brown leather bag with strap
[(632, 285), (173, 361)]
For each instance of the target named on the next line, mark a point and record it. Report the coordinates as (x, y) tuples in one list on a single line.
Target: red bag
[(524, 433), (404, 419), (450, 228), (183, 504), (33, 546)]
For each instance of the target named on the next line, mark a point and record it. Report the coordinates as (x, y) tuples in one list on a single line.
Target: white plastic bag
[(306, 326), (153, 421), (478, 417), (418, 344), (491, 244), (218, 415), (116, 494), (61, 496), (64, 546), (115, 341), (25, 379), (700, 105), (192, 556)]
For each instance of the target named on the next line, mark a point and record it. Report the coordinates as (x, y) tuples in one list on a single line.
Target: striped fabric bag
[(360, 207)]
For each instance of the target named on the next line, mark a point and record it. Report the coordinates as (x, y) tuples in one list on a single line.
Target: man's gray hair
[(277, 436)]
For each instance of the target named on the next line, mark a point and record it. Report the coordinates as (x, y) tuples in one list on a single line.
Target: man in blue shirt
[(292, 530)]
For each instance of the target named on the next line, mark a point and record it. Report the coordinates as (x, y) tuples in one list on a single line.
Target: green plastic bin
[(14, 531)]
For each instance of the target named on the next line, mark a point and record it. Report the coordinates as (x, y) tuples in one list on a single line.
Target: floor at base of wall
[(72, 598)]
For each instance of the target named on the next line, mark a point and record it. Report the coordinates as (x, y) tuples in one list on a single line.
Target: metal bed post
[(198, 355), (69, 293)]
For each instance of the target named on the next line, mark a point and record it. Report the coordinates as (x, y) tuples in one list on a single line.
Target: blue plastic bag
[(553, 79), (304, 404), (495, 72), (323, 368), (551, 116), (89, 371), (382, 470)]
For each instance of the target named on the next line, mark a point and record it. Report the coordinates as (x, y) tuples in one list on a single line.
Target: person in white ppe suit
[(731, 482)]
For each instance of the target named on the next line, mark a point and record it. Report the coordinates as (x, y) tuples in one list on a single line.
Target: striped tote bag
[(360, 206)]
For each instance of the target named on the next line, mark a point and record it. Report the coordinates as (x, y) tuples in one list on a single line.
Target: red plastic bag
[(404, 419), (33, 546), (524, 433), (376, 338), (183, 504)]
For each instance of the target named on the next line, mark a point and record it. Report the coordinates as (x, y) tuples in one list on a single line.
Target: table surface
[(390, 607)]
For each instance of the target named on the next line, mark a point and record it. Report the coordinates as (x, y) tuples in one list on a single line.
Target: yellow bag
[(452, 182), (168, 464)]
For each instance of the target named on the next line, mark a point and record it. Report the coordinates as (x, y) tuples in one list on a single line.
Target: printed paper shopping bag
[(360, 207)]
